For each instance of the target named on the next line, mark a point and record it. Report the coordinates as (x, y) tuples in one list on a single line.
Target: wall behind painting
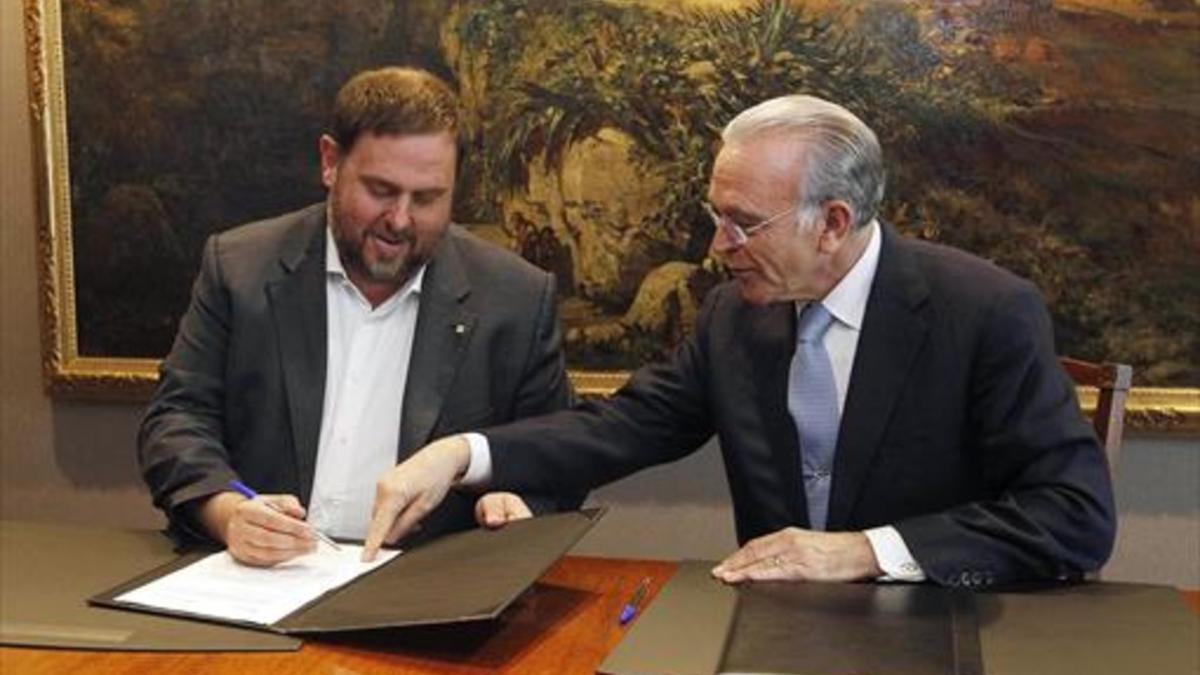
[(73, 461)]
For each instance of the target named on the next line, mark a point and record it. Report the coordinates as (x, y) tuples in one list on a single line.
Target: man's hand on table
[(794, 554)]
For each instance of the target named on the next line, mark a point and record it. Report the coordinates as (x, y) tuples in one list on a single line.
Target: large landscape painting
[(1060, 139)]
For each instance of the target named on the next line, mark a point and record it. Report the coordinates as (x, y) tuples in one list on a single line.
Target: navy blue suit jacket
[(960, 428)]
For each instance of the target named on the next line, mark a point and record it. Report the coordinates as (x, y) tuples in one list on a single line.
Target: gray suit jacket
[(241, 393)]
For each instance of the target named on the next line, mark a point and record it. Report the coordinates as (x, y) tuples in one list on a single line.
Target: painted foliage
[(1059, 139)]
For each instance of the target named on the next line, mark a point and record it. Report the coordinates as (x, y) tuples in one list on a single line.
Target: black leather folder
[(699, 626), (466, 576)]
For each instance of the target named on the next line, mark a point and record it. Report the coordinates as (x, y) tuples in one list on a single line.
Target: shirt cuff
[(479, 466), (893, 555)]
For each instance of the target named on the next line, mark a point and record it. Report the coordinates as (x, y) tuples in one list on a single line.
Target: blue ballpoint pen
[(249, 493), (631, 607)]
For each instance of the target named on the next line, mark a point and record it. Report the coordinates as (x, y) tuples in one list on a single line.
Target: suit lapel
[(444, 328), (297, 303), (772, 342), (894, 328)]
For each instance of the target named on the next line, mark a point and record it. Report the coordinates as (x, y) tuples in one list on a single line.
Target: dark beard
[(396, 271)]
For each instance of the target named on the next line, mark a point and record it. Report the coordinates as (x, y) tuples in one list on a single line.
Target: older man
[(324, 345), (886, 407)]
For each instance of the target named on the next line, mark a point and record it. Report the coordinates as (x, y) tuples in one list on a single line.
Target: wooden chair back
[(1112, 381)]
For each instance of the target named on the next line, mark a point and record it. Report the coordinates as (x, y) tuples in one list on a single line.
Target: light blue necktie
[(812, 401)]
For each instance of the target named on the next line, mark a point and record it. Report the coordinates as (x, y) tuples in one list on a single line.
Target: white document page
[(218, 586)]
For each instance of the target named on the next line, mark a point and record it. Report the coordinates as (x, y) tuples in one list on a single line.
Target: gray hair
[(844, 158)]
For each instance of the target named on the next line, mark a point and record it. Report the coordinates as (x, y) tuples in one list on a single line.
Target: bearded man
[(323, 346)]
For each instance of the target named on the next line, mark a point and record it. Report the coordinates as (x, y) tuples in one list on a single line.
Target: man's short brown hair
[(393, 100)]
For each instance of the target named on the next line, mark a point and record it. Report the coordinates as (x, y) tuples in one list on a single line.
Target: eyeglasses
[(740, 234)]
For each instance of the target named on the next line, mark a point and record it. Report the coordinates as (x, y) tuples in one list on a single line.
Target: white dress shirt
[(368, 352), (847, 302)]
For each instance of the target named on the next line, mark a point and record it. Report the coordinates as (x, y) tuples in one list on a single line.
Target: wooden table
[(1192, 596), (566, 623)]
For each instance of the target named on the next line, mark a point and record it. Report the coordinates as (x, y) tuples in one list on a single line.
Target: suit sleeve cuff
[(479, 467), (893, 556)]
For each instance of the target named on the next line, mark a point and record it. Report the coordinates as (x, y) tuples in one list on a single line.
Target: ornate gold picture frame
[(75, 372)]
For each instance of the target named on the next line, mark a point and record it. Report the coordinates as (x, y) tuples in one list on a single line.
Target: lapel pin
[(460, 328)]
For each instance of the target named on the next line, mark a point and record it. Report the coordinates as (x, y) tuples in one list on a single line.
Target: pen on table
[(249, 493), (631, 607)]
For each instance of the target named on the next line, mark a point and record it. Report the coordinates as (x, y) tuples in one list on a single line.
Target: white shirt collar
[(334, 268), (847, 302)]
